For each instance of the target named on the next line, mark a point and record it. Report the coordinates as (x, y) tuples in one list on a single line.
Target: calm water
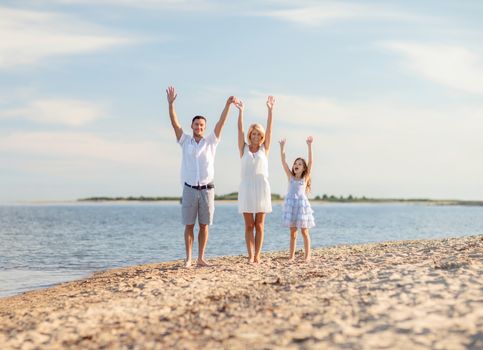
[(46, 244)]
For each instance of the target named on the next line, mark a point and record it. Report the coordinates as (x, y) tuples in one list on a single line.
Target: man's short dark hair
[(198, 117)]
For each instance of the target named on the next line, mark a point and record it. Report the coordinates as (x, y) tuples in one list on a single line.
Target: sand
[(425, 294)]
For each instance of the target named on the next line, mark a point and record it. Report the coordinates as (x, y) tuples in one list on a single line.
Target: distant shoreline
[(317, 199), (231, 199)]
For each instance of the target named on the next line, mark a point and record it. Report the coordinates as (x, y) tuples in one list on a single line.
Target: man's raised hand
[(171, 94)]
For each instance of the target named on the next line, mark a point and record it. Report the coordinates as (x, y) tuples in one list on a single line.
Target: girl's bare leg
[(259, 227), (249, 237), (293, 242), (305, 234)]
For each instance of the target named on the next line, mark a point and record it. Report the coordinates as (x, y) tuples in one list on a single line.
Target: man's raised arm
[(171, 95), (223, 116)]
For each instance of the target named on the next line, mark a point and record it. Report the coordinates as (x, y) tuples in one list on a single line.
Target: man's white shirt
[(198, 160)]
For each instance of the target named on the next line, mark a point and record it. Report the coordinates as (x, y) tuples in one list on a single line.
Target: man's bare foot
[(187, 263), (202, 262)]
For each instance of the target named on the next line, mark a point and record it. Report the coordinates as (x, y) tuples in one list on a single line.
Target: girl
[(297, 213), (254, 197)]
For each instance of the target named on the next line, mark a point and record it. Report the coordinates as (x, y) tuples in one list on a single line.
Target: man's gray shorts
[(197, 203)]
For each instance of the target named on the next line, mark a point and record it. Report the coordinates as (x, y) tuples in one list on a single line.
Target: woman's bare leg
[(259, 227), (249, 237)]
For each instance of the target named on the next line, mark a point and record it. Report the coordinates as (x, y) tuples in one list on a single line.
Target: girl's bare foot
[(257, 260), (187, 263), (251, 260), (307, 259)]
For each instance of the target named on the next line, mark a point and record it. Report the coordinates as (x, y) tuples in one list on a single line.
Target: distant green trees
[(130, 198), (233, 196), (349, 198)]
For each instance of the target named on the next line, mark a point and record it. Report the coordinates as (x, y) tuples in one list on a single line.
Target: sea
[(46, 244)]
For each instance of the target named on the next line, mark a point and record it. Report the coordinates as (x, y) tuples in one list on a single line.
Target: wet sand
[(425, 294)]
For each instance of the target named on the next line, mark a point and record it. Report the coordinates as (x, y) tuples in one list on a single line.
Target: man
[(197, 174)]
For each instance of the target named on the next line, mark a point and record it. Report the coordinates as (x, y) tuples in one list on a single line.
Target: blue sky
[(392, 92)]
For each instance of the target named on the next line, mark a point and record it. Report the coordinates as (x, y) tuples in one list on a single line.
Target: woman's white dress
[(254, 192)]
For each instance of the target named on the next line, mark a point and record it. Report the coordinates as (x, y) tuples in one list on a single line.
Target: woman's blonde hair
[(258, 128)]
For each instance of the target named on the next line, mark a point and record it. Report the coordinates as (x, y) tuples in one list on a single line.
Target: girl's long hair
[(304, 174)]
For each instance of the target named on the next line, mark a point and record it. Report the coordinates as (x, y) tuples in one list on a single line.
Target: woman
[(254, 197)]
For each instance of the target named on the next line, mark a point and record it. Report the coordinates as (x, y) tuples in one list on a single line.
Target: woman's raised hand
[(282, 143), (309, 140), (270, 102), (239, 104)]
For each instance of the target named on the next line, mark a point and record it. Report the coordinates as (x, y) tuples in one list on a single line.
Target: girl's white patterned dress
[(297, 211)]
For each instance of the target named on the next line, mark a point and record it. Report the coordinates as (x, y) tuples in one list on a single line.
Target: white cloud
[(375, 148), (301, 110), (179, 5), (27, 37), (378, 148), (59, 165), (57, 111), (305, 12), (309, 14), (321, 112), (452, 66), (71, 145)]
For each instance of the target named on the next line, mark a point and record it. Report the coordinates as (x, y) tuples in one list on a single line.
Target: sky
[(391, 91)]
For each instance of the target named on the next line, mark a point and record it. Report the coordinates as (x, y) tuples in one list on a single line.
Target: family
[(254, 196)]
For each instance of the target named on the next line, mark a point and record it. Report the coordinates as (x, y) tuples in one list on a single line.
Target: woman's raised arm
[(268, 132), (241, 133)]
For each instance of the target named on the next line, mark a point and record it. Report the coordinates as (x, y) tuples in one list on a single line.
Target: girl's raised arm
[(241, 133), (268, 132), (282, 156), (309, 140)]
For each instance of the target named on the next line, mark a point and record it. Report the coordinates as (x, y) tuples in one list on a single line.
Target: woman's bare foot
[(187, 263), (202, 262), (307, 259), (251, 260), (257, 260)]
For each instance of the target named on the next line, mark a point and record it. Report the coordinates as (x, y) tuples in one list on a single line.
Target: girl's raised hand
[(270, 102), (309, 140), (282, 142)]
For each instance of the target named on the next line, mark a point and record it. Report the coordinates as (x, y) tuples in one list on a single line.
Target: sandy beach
[(425, 294)]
